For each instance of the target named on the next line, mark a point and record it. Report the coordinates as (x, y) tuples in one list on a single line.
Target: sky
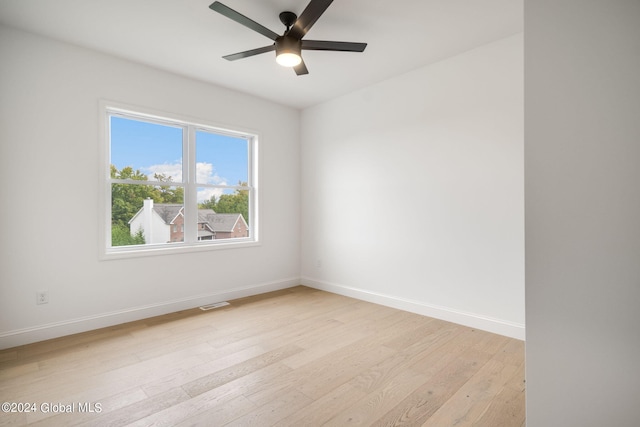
[(157, 148)]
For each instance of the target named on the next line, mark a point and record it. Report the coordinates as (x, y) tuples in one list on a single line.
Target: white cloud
[(205, 174), (204, 194), (174, 170)]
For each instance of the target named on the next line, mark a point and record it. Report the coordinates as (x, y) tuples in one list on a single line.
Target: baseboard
[(73, 326), (496, 326)]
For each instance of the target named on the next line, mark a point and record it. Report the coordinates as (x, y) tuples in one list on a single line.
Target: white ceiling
[(187, 38)]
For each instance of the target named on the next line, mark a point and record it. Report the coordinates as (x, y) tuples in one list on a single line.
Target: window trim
[(106, 251)]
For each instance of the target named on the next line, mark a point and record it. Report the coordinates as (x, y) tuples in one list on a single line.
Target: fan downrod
[(288, 19)]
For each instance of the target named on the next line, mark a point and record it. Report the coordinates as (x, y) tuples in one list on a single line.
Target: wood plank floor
[(297, 357)]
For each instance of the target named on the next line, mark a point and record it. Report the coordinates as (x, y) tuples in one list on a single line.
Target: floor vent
[(214, 305)]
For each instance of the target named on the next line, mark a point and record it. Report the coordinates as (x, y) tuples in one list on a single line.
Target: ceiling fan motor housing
[(286, 44)]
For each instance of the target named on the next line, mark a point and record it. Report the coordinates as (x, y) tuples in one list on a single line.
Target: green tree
[(121, 236), (209, 204), (168, 194), (238, 202), (127, 199)]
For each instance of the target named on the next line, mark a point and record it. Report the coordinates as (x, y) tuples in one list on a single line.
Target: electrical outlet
[(42, 297)]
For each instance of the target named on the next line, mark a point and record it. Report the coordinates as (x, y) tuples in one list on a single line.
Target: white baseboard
[(73, 326), (496, 326)]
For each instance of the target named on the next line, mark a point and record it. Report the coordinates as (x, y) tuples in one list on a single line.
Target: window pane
[(221, 159), (224, 214), (146, 214), (145, 151), (152, 185)]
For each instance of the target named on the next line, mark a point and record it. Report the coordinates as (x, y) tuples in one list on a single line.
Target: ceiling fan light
[(288, 59), (288, 51)]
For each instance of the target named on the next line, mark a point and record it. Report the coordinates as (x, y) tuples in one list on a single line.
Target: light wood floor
[(298, 357)]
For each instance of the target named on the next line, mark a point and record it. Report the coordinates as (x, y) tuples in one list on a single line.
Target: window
[(175, 185)]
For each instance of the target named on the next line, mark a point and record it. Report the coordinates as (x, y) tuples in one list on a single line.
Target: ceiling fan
[(289, 45)]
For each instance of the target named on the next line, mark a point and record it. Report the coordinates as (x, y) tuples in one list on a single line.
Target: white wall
[(582, 154), (412, 190), (48, 182)]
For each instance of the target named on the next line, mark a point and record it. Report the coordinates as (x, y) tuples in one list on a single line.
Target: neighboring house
[(227, 226), (164, 223), (155, 221)]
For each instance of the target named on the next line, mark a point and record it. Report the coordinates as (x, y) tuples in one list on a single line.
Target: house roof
[(167, 211), (224, 222), (205, 233), (216, 222), (203, 213)]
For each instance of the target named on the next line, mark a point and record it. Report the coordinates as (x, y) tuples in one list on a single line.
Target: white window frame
[(191, 243)]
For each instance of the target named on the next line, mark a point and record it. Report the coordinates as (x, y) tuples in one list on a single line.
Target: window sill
[(126, 252)]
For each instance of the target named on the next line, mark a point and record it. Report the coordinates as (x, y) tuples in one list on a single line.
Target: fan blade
[(248, 53), (301, 69), (334, 46), (243, 20), (308, 17)]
